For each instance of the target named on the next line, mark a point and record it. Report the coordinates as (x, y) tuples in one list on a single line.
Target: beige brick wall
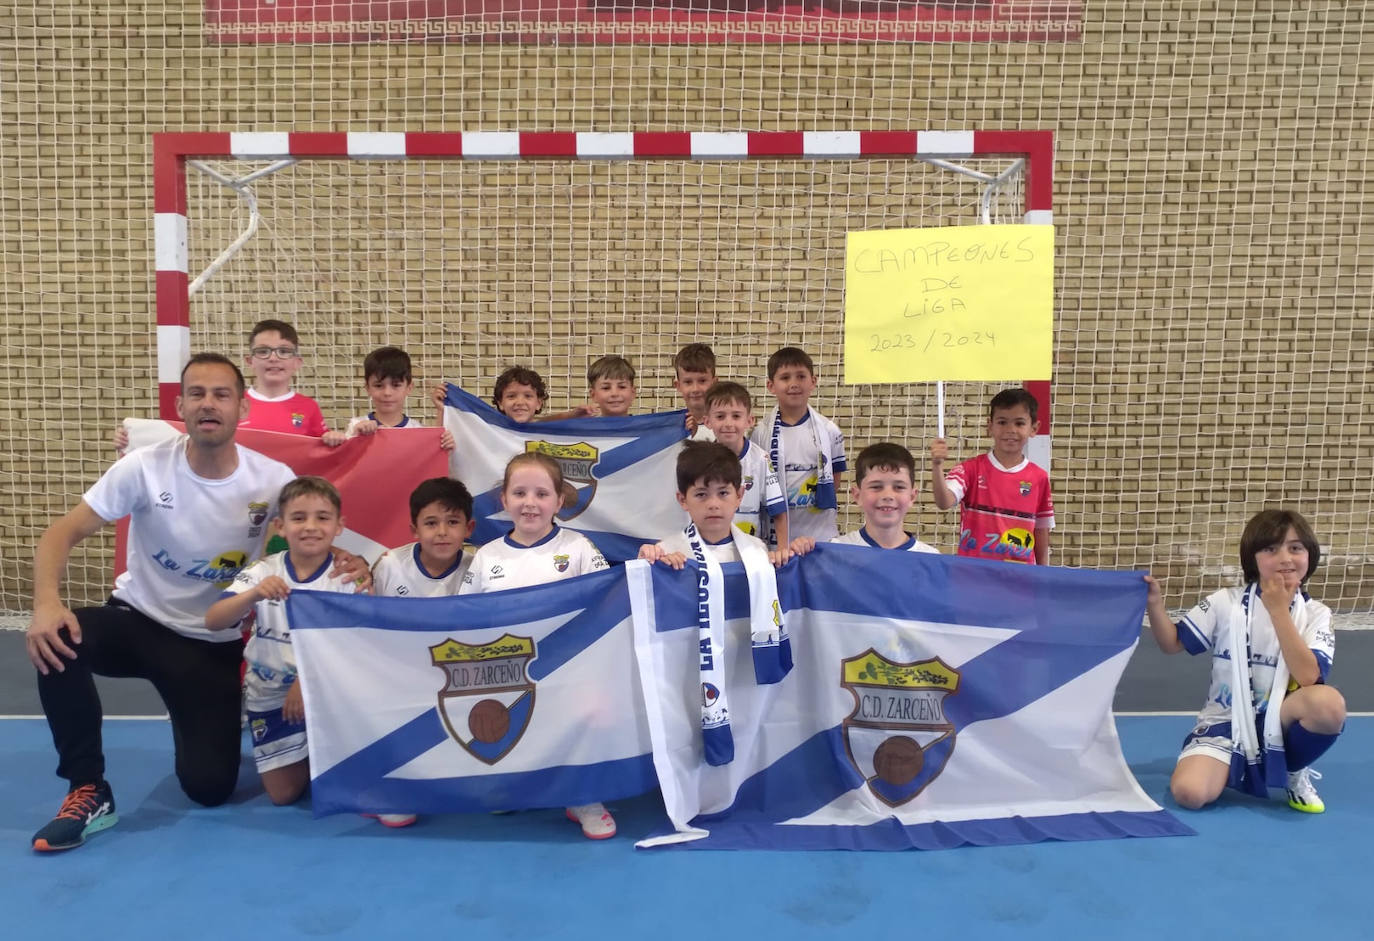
[(1214, 285)]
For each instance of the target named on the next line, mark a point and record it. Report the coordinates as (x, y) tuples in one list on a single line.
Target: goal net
[(476, 264)]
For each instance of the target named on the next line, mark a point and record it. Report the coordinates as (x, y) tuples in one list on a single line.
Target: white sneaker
[(393, 820), (1301, 794), (597, 822)]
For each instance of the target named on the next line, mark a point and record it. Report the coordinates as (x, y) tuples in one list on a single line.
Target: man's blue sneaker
[(87, 810)]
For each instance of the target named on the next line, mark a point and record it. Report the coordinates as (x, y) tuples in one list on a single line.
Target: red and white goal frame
[(171, 151)]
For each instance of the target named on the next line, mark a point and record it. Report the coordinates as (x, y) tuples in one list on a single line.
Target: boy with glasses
[(274, 356)]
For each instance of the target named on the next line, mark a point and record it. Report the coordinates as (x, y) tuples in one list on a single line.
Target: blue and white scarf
[(1260, 749), (825, 475), (772, 650)]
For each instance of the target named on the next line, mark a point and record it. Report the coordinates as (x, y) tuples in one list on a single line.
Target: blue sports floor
[(251, 870)]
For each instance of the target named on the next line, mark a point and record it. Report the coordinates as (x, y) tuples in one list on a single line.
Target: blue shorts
[(276, 742)]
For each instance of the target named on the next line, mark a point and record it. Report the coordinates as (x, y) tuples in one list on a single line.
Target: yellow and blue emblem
[(898, 736), (488, 697)]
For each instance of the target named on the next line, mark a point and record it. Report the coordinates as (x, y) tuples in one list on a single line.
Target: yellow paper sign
[(970, 303)]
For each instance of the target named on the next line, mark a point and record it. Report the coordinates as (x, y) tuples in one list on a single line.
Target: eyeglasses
[(267, 352)]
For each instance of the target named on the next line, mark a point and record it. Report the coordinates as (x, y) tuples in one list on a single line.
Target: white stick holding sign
[(939, 409)]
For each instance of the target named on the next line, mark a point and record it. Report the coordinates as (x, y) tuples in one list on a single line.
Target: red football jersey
[(294, 414), (1001, 507)]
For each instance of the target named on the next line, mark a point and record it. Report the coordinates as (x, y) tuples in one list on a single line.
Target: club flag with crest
[(501, 701), (934, 702), (373, 473), (622, 469)]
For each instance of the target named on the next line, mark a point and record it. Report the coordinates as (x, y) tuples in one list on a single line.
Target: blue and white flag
[(623, 469), (934, 702), (500, 701)]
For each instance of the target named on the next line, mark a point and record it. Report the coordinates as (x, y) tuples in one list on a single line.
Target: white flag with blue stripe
[(500, 701), (934, 702), (623, 469)]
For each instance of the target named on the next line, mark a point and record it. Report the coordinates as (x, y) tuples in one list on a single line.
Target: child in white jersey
[(806, 447), (709, 489), (434, 565), (388, 379), (884, 489), (1269, 713), (729, 415), (310, 519), (536, 551)]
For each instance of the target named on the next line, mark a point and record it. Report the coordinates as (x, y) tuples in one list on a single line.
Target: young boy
[(729, 415), (1007, 511), (270, 405), (708, 488), (694, 372), (520, 394), (387, 375), (611, 386), (310, 519), (806, 447), (274, 355), (709, 479), (433, 565), (884, 489)]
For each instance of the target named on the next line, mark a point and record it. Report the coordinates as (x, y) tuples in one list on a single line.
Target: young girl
[(1269, 713), (536, 551)]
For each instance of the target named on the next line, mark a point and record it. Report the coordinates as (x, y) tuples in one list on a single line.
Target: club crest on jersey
[(487, 698), (748, 483), (257, 513), (577, 462), (297, 419), (560, 563), (898, 736), (1024, 486)]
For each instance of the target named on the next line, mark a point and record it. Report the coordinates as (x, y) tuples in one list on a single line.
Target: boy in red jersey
[(271, 405), (274, 355), (1007, 512)]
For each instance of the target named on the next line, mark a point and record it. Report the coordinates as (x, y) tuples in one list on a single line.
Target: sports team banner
[(934, 702), (624, 470), (502, 701), (374, 475), (643, 21)]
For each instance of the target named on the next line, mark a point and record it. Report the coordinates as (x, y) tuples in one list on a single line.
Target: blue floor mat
[(252, 870)]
